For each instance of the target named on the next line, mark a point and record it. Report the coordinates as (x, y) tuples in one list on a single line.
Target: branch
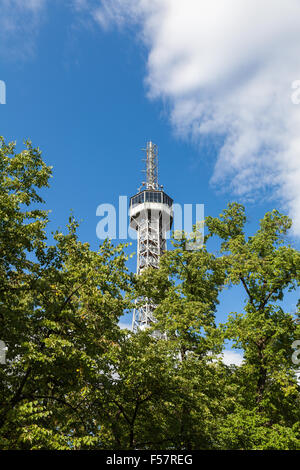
[(247, 290), (59, 400)]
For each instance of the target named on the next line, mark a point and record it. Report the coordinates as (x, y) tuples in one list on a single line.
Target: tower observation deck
[(151, 215)]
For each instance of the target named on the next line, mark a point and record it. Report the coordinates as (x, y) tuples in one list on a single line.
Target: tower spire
[(151, 167)]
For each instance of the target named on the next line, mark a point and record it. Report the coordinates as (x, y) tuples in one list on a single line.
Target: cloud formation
[(232, 357), (19, 21), (226, 68)]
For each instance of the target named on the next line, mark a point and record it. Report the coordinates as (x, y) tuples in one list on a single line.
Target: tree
[(74, 380), (266, 410), (60, 307), (185, 291)]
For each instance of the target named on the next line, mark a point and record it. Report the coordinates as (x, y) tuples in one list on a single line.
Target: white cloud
[(19, 21), (232, 357), (124, 325), (226, 69)]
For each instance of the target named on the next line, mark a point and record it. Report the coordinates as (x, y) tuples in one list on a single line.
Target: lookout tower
[(151, 215)]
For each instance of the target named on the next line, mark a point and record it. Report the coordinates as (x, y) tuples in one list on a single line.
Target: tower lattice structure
[(151, 215)]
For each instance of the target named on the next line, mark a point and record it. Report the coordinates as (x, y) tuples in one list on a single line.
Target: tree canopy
[(73, 379)]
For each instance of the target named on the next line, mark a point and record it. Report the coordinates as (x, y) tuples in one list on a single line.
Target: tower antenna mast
[(151, 166)]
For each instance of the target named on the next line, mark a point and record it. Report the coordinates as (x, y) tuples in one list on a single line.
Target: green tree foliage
[(266, 412), (74, 380), (60, 306)]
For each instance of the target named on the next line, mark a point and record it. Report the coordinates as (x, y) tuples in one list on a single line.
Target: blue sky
[(87, 84)]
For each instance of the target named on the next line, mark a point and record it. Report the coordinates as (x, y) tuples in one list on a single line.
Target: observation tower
[(151, 215)]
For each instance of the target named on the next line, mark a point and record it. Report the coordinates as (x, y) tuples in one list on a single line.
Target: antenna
[(151, 167)]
